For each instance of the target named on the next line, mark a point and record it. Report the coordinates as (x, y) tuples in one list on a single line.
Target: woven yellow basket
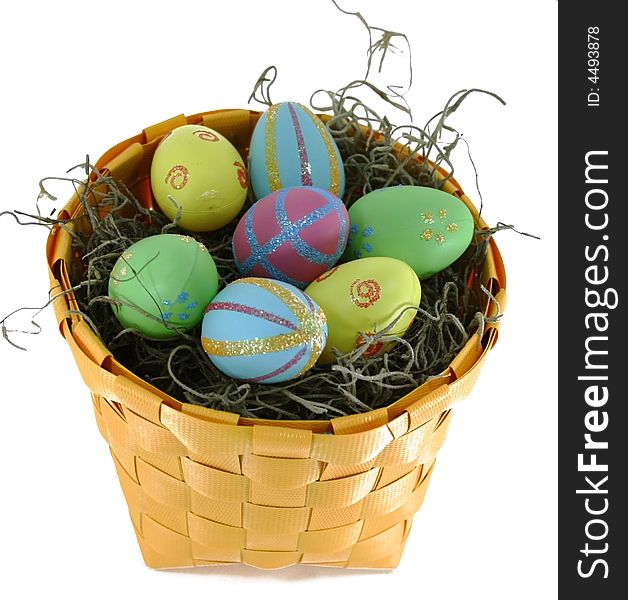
[(209, 487)]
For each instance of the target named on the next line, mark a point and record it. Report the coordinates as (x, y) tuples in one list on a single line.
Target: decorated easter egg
[(198, 171), (293, 235), (362, 297), (291, 146), (263, 330), (163, 284), (427, 228)]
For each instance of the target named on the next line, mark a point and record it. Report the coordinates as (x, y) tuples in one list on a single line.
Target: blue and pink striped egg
[(292, 235), (262, 330), (291, 146)]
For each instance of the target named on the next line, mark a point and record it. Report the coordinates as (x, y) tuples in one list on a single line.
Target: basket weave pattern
[(210, 487), (202, 492)]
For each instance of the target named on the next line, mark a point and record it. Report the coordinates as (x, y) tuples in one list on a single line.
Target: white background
[(78, 77)]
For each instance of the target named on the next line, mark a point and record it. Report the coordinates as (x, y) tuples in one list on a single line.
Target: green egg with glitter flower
[(162, 284), (427, 228)]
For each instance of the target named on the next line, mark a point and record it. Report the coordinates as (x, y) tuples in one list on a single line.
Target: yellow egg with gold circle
[(363, 297), (198, 173)]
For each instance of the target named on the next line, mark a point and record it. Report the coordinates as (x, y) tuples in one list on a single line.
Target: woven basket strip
[(100, 422), (214, 555), (399, 425), (392, 496), (162, 487), (222, 462), (330, 559), (341, 492), (271, 519), (236, 125), (212, 534), (467, 357), (433, 443), (59, 250), (399, 408), (207, 438), (267, 495), (216, 484), (379, 545), (98, 380), (127, 462), (167, 516), (136, 398), (285, 473), (163, 462), (405, 449), (386, 562), (360, 422), (154, 132), (430, 405), (166, 541), (256, 540), (154, 438), (89, 343), (159, 561), (333, 540), (209, 414), (270, 560), (333, 471), (227, 513), (131, 491), (324, 517), (392, 472), (117, 432), (126, 166), (462, 387), (351, 448), (141, 503), (377, 523), (285, 442)]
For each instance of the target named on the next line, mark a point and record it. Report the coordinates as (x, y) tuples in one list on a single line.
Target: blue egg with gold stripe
[(292, 147), (263, 330)]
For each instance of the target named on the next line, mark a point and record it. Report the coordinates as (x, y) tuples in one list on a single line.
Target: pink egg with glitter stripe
[(291, 235)]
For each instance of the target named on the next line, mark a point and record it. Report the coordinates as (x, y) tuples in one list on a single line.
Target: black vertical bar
[(593, 270)]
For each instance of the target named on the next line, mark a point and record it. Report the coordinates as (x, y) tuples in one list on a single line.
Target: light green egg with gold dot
[(162, 285), (427, 228)]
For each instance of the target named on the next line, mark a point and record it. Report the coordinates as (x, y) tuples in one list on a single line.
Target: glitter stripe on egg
[(309, 302), (299, 309), (275, 343), (334, 171), (272, 167), (291, 230), (344, 224), (317, 341), (288, 232), (310, 332), (250, 310), (293, 361), (306, 168), (259, 254), (311, 323)]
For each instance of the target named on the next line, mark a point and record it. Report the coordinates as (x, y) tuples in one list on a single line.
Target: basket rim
[(94, 360)]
